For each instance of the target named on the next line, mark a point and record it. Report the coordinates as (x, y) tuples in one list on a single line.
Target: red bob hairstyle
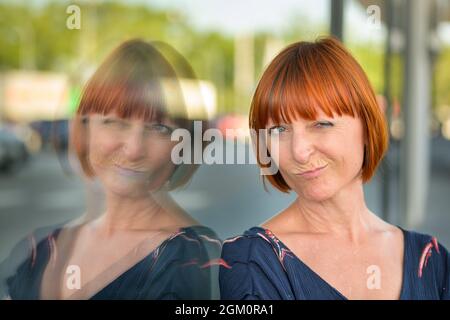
[(308, 76), (130, 83)]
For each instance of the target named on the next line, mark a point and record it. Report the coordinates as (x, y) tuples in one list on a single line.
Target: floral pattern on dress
[(280, 252), (426, 254)]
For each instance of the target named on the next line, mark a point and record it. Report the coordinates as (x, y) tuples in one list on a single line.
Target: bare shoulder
[(178, 221), (389, 231), (283, 223), (391, 239), (276, 223)]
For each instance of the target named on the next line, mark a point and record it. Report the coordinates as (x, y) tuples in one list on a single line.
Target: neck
[(344, 215), (130, 213)]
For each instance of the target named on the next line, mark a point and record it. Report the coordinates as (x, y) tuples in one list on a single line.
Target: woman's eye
[(160, 128), (114, 122), (109, 121), (277, 130), (324, 124)]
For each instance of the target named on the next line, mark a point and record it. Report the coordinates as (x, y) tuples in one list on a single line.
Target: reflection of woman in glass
[(144, 246), (316, 102)]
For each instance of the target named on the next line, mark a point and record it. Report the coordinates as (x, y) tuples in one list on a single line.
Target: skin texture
[(336, 143), (329, 226), (131, 159)]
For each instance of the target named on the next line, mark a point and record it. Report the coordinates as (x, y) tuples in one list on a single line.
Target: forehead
[(347, 121), (319, 115), (163, 118)]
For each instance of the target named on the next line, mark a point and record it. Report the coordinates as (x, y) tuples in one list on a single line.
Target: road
[(228, 198)]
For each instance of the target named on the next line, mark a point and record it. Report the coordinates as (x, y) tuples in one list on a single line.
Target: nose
[(134, 146), (302, 148)]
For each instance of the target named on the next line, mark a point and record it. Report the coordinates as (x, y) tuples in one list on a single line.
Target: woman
[(327, 136), (143, 245)]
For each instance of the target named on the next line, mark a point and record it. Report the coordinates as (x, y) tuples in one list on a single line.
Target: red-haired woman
[(144, 245), (316, 103)]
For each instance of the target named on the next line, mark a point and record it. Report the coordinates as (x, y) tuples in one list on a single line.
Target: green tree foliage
[(36, 37)]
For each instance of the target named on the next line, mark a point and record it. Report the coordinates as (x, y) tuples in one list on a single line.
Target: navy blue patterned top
[(184, 266), (257, 265)]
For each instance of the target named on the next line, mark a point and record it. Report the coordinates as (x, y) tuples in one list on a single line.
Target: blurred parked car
[(54, 134), (13, 152)]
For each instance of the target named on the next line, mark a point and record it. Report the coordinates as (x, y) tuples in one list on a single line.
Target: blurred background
[(50, 48)]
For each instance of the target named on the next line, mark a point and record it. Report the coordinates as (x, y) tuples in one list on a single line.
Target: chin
[(123, 192), (317, 198), (125, 189), (315, 194)]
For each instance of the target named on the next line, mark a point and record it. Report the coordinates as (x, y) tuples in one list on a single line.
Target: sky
[(233, 16), (246, 16), (243, 16)]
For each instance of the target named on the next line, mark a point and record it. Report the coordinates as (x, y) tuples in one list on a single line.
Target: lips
[(312, 173), (129, 172)]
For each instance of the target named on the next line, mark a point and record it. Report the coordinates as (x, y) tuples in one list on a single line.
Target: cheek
[(346, 164), (352, 153), (282, 156), (101, 148), (159, 153)]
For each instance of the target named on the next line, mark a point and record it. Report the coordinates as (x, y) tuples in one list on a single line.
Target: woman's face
[(130, 157), (335, 146)]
